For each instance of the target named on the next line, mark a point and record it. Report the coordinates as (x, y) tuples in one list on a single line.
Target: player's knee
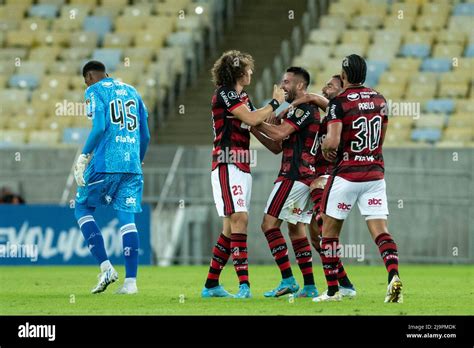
[(125, 218), (268, 223), (239, 221), (265, 226)]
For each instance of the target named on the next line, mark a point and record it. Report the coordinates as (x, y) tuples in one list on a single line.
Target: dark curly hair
[(230, 67)]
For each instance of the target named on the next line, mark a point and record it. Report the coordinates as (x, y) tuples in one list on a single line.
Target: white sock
[(104, 266), (130, 281)]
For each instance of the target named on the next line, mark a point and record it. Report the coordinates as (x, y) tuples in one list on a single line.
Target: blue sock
[(130, 249), (93, 237)]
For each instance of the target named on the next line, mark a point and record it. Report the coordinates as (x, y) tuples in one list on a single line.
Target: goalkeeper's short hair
[(93, 65)]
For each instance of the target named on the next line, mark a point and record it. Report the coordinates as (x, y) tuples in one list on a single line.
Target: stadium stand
[(189, 123), (155, 45), (416, 51)]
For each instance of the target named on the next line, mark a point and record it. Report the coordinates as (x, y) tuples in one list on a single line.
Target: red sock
[(238, 247), (342, 276), (388, 251), (330, 260), (279, 250), (220, 255), (304, 259)]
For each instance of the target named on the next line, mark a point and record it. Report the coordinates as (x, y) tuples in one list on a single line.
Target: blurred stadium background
[(418, 51)]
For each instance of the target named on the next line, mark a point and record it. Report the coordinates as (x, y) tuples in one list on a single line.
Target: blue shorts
[(122, 190)]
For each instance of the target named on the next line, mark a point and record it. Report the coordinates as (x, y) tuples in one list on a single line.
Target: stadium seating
[(416, 51), (44, 45)]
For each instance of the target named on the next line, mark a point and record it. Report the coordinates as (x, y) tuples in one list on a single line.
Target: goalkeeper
[(109, 172)]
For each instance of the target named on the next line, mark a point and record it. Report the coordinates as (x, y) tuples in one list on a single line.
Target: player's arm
[(277, 132), (384, 113), (254, 118), (384, 131), (272, 145), (144, 130), (96, 111), (334, 129), (300, 118), (312, 98)]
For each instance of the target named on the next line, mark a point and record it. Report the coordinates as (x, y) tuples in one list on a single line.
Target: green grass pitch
[(64, 290)]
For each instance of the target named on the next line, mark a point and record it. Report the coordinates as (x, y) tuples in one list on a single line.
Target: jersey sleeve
[(229, 98), (96, 112), (94, 104), (142, 110), (252, 107), (144, 130), (335, 113), (301, 117)]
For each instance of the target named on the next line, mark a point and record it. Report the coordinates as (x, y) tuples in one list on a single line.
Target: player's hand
[(311, 98), (278, 94), (283, 113), (330, 155), (80, 167), (272, 119)]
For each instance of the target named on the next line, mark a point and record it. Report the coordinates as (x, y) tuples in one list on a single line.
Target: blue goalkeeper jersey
[(119, 109)]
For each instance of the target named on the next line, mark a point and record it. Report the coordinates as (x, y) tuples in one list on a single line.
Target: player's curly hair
[(230, 67)]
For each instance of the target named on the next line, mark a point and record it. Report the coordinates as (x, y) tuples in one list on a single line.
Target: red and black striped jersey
[(231, 136), (323, 166), (362, 112), (298, 160)]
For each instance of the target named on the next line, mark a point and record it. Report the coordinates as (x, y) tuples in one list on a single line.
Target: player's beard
[(290, 96)]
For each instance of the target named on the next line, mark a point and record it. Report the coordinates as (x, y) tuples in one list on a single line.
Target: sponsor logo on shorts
[(297, 211), (131, 201), (343, 206), (375, 201)]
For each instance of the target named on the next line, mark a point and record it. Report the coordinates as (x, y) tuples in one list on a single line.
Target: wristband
[(274, 104)]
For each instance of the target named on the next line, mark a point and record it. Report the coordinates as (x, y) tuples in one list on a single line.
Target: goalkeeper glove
[(80, 167)]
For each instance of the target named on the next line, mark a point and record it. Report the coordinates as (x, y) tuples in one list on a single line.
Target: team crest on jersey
[(232, 95), (299, 113), (89, 106)]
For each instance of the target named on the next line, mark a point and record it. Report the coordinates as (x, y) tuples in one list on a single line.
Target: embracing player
[(356, 126), (232, 116), (323, 169), (290, 199), (109, 169)]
